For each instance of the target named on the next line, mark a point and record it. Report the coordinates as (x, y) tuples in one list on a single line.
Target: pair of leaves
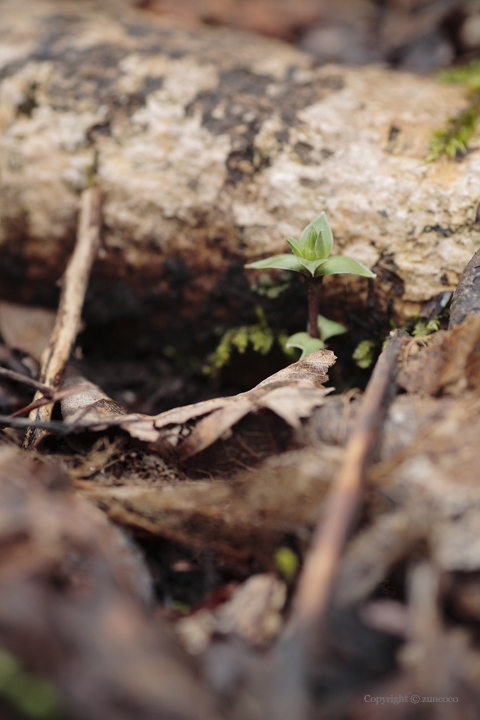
[(315, 242), (302, 340), (310, 255)]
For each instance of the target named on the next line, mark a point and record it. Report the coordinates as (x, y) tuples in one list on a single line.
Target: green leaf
[(305, 342), (343, 264), (294, 246), (328, 328), (308, 243), (279, 262), (325, 237), (310, 266), (321, 251)]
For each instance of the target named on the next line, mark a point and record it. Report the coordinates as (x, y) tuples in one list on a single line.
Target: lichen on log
[(212, 145)]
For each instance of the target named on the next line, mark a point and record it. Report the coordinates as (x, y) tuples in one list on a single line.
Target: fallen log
[(211, 145)]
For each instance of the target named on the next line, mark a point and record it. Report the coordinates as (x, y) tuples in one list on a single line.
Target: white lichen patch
[(214, 133)]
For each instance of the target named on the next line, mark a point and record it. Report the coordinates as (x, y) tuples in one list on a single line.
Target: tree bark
[(211, 145)]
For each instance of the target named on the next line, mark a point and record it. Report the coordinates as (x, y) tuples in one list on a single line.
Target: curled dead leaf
[(292, 394)]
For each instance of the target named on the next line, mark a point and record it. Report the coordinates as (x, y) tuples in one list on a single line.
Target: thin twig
[(75, 280), (316, 581), (60, 428), (288, 697), (8, 358), (27, 380), (53, 397)]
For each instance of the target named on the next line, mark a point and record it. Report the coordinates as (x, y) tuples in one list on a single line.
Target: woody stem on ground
[(313, 293)]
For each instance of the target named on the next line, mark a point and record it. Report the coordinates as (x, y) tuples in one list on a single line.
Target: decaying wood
[(212, 145), (245, 515), (75, 280)]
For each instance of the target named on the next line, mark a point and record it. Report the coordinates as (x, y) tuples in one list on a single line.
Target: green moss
[(467, 75), (364, 354), (453, 138), (270, 287), (426, 328), (261, 337), (92, 171)]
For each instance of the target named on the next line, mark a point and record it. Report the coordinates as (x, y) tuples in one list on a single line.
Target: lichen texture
[(212, 145)]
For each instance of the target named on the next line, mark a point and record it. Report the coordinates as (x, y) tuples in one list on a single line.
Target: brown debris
[(380, 605), (446, 363), (247, 516), (73, 606), (252, 614)]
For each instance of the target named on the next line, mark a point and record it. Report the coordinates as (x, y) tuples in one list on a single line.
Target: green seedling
[(311, 257), (307, 344)]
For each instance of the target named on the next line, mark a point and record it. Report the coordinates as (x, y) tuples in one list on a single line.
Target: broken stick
[(316, 581), (289, 697), (67, 323)]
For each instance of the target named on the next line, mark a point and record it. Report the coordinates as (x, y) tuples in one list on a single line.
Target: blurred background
[(416, 35)]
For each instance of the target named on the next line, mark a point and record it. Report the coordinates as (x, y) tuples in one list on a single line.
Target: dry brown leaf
[(248, 515), (292, 394), (447, 362)]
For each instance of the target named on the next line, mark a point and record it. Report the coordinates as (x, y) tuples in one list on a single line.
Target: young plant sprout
[(311, 258), (307, 344)]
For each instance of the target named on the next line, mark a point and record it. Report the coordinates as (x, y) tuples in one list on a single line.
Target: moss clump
[(364, 354), (260, 336), (270, 287), (422, 327), (452, 139), (468, 75)]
